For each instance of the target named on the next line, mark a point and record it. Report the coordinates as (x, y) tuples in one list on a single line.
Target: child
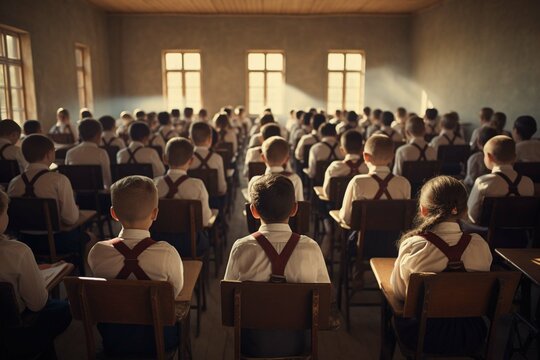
[(375, 123), (296, 125), (204, 158), (304, 129), (527, 149), (486, 114), (251, 259), (108, 136), (379, 183), (386, 127), (63, 125), (140, 115), (88, 151), (203, 115), (431, 122), (10, 132), (126, 120), (32, 127), (417, 149), (401, 119), (498, 121), (254, 154), (224, 130), (325, 150), (449, 134), (84, 113), (309, 139), (350, 123), (429, 247), (51, 317), (137, 152), (475, 164), (165, 133), (499, 156), (275, 153), (134, 255)]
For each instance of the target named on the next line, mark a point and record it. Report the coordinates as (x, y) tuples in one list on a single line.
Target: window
[(12, 98), (345, 81), (182, 79), (84, 77), (266, 78)]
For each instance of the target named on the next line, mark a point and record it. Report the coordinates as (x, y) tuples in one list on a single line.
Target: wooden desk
[(213, 218), (525, 260), (320, 193), (382, 269), (192, 270), (334, 214), (230, 173), (84, 217), (60, 276)]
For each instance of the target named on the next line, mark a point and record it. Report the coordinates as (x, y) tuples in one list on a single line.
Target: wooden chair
[(369, 215), (158, 149), (531, 170), (95, 300), (111, 151), (123, 170), (225, 149), (305, 162), (62, 138), (299, 223), (209, 177), (453, 158), (256, 168), (8, 170), (60, 153), (418, 172), (265, 306)]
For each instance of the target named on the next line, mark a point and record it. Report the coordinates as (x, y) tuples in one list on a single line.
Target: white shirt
[(230, 137), (416, 254), (255, 140), (321, 152), (432, 127), (298, 133), (190, 189), (393, 134), (475, 168), (161, 261), (108, 135), (13, 152), (143, 156), (339, 168), (51, 185), (88, 153), (248, 261), (364, 187), (61, 128), (442, 140), (492, 185), (295, 179), (214, 162), (18, 267), (164, 134), (409, 152), (528, 150), (305, 140)]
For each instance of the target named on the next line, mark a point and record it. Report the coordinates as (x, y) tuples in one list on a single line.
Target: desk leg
[(388, 341)]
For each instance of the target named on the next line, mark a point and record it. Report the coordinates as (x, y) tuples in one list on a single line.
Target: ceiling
[(277, 7)]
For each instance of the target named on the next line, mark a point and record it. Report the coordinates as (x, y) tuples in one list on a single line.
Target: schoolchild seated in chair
[(10, 132), (325, 150), (254, 154), (416, 149), (108, 137)]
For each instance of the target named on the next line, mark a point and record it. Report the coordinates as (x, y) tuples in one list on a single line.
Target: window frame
[(265, 71), (344, 72), (6, 63), (86, 70), (182, 72)]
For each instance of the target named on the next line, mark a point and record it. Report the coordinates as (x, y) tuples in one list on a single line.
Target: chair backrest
[(418, 172), (225, 149), (320, 169), (8, 170), (518, 212), (111, 151), (305, 163), (62, 138), (453, 153), (60, 153), (338, 185), (124, 170), (83, 177), (209, 177), (387, 215), (33, 214), (299, 223), (138, 302), (9, 310), (256, 168), (529, 169)]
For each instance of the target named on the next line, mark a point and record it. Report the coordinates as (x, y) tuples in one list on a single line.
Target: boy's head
[(188, 112), (10, 130), (275, 151), (499, 150), (62, 115), (164, 118), (379, 150), (221, 121), (377, 113), (328, 130), (401, 112), (107, 123), (387, 118), (351, 142), (299, 114), (175, 113), (90, 130), (85, 113), (134, 202), (203, 114), (273, 199), (317, 121), (449, 122), (178, 152), (498, 121), (486, 113), (32, 127), (524, 128), (306, 118), (38, 148), (140, 115), (269, 130), (431, 114), (266, 119), (4, 219), (126, 117), (139, 131), (352, 117), (414, 127), (201, 134), (367, 111), (484, 134), (240, 110)]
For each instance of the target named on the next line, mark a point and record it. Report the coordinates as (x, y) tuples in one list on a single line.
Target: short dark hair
[(299, 114), (89, 129), (328, 130), (525, 126), (107, 122), (62, 112), (200, 132), (35, 147), (188, 111), (31, 127), (485, 133), (317, 121), (352, 116), (306, 118), (179, 151), (352, 141), (164, 118), (377, 113), (401, 111), (367, 111), (387, 118), (140, 114), (449, 122), (86, 114), (175, 112), (266, 119), (486, 113), (269, 130), (273, 197), (432, 113), (203, 112), (498, 121), (9, 127), (138, 131)]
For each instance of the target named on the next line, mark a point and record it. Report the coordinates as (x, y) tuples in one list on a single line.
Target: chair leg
[(198, 307)]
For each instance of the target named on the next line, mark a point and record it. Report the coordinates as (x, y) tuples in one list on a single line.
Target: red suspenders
[(450, 141), (29, 184), (332, 148), (354, 166), (131, 261), (278, 261), (422, 156), (383, 186), (203, 161), (453, 253), (173, 186), (512, 185), (2, 151), (131, 159)]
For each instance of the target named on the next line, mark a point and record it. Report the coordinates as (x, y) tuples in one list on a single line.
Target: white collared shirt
[(364, 187), (321, 152), (409, 152), (160, 262), (164, 134), (255, 140), (339, 168), (190, 189), (108, 135), (18, 267), (295, 179), (416, 254), (88, 153), (492, 185), (475, 168), (442, 140), (305, 140), (51, 185), (254, 155), (230, 137), (62, 128), (13, 152), (143, 156), (214, 162), (248, 261), (528, 150), (393, 134)]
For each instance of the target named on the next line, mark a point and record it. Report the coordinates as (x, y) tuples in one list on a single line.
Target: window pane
[(352, 99), (336, 61), (255, 61), (192, 61), (78, 57), (15, 76), (2, 45), (193, 79), (256, 80), (354, 62), (173, 61), (18, 117), (255, 107), (82, 97), (274, 62), (80, 78), (335, 80), (256, 94), (17, 101), (353, 80), (274, 80), (12, 43), (335, 96), (174, 80)]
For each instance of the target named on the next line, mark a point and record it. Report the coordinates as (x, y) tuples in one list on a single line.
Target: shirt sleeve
[(399, 279), (327, 178), (222, 183), (322, 270), (398, 163), (206, 212), (31, 283), (157, 165), (69, 212), (21, 160), (175, 269), (106, 169), (346, 206), (299, 151), (312, 162), (298, 189), (231, 272)]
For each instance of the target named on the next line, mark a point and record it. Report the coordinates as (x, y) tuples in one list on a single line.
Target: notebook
[(53, 272)]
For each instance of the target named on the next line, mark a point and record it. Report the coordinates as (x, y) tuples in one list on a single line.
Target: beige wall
[(475, 53), (54, 27)]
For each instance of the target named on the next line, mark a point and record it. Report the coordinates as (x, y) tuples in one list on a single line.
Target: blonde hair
[(502, 148), (415, 125), (134, 198), (275, 150), (380, 147)]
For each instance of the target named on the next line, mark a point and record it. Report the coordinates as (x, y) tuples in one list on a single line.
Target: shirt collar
[(109, 133), (502, 168), (447, 227), (273, 169), (88, 143), (351, 157), (134, 234), (201, 148), (377, 169), (37, 166), (135, 144), (329, 139), (275, 227), (176, 172), (313, 132), (418, 141), (446, 132)]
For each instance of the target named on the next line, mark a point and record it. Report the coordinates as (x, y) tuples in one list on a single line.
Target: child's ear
[(155, 214), (263, 157), (367, 157), (165, 159), (294, 210), (423, 211), (343, 151), (113, 214), (254, 211)]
